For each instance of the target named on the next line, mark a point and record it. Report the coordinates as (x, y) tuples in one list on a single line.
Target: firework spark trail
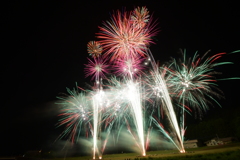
[(95, 126), (98, 101), (165, 133), (168, 106), (109, 128), (126, 104), (148, 138), (160, 84), (95, 105), (134, 96)]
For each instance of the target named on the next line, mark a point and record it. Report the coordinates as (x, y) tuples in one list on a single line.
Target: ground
[(211, 152)]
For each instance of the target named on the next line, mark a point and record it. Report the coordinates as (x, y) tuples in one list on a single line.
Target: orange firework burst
[(94, 48), (140, 17)]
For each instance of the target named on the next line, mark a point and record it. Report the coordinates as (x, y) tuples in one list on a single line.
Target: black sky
[(44, 51)]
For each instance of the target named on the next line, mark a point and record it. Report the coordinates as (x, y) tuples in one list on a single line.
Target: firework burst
[(97, 68), (140, 17), (194, 79), (94, 49), (75, 114), (129, 67), (193, 82), (121, 39)]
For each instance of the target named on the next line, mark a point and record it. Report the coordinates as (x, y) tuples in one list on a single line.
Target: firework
[(140, 17), (159, 92), (129, 67), (194, 80), (134, 96), (75, 114), (139, 100), (94, 49), (97, 68), (127, 102), (122, 40)]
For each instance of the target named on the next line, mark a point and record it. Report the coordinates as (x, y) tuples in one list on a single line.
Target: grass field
[(224, 152)]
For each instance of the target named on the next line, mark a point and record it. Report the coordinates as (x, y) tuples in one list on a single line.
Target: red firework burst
[(121, 39)]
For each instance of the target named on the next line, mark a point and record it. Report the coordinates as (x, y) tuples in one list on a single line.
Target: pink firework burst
[(94, 49), (130, 66), (97, 68), (121, 39)]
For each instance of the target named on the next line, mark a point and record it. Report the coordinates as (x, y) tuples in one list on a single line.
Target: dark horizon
[(45, 49)]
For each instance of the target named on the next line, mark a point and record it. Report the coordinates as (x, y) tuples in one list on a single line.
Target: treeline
[(225, 122)]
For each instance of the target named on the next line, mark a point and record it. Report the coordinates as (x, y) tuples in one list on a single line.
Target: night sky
[(44, 51)]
